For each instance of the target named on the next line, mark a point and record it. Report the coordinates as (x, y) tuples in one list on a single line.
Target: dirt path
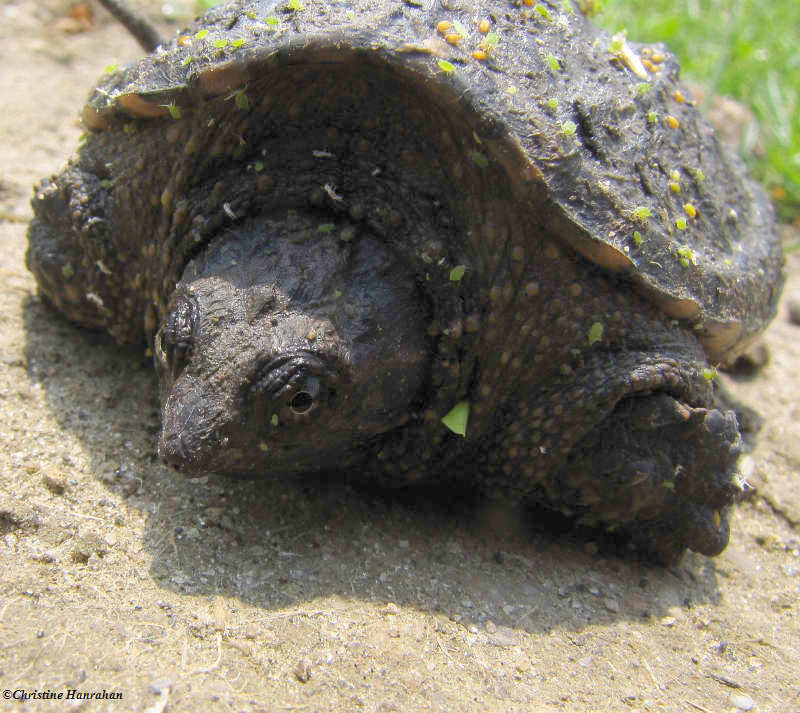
[(212, 595)]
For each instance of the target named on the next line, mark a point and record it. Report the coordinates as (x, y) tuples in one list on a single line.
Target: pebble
[(794, 310), (503, 637), (742, 702), (302, 670), (611, 604), (668, 621)]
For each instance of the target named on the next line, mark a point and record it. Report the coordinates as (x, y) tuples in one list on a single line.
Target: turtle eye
[(177, 335), (290, 388)]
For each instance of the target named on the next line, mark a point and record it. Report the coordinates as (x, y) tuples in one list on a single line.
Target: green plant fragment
[(111, 68), (595, 333), (457, 273), (201, 35), (457, 417), (326, 227), (641, 212), (553, 63), (173, 109), (446, 67), (544, 11), (238, 43), (479, 159), (220, 43)]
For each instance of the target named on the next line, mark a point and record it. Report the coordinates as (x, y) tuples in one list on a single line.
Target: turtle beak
[(192, 429)]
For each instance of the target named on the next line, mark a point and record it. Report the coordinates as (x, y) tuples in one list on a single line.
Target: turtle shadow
[(278, 545)]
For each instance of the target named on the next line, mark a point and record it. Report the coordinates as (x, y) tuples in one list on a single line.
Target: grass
[(741, 48)]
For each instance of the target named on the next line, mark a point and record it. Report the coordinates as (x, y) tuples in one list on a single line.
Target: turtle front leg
[(662, 472)]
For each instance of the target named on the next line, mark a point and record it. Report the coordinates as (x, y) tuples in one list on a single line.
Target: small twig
[(719, 678), (699, 707), (213, 666), (143, 32), (650, 671), (444, 650)]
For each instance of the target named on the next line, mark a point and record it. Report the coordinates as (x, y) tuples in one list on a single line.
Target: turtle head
[(284, 352)]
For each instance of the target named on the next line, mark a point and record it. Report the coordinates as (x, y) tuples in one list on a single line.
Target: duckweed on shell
[(446, 67), (491, 41)]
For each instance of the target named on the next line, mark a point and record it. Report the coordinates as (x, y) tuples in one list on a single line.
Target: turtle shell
[(592, 134)]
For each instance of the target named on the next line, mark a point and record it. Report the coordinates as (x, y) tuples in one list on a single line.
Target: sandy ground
[(212, 595)]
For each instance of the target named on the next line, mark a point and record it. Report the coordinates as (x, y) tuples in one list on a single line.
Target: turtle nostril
[(302, 402)]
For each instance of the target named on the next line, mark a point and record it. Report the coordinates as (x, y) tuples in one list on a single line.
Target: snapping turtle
[(489, 244)]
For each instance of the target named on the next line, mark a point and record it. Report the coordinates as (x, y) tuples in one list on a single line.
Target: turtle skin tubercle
[(334, 232)]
